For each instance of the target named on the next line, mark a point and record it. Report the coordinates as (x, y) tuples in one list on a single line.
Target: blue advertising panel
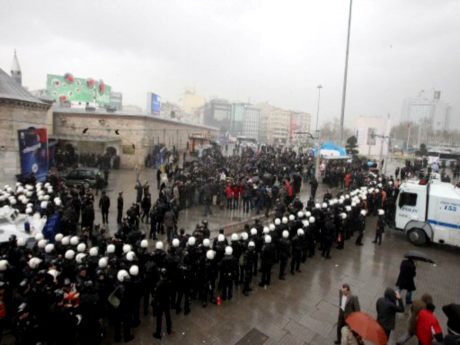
[(33, 152), (156, 104)]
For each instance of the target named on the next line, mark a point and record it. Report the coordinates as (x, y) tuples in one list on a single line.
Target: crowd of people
[(73, 283)]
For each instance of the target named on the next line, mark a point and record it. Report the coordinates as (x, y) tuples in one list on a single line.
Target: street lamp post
[(344, 89), (317, 135)]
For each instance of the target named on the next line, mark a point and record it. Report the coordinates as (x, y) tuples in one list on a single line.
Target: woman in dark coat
[(407, 273)]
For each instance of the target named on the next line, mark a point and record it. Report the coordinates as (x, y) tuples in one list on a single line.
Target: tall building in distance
[(217, 113), (275, 124), (299, 125), (428, 110), (16, 73), (116, 100), (191, 101), (245, 121)]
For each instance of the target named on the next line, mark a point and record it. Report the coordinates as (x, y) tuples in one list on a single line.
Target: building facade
[(131, 136), (373, 134), (426, 109), (299, 125), (277, 122), (217, 113), (19, 110), (116, 100)]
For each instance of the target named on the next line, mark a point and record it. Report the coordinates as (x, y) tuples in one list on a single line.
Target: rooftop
[(11, 91), (102, 111)]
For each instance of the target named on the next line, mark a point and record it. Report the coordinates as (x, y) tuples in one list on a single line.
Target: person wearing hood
[(387, 307)]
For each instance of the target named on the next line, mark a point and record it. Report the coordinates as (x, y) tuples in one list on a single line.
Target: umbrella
[(416, 255), (367, 327)]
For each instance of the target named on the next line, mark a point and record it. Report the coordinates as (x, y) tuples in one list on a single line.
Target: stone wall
[(13, 118), (143, 132)]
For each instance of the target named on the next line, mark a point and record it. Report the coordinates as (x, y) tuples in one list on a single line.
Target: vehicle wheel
[(417, 237)]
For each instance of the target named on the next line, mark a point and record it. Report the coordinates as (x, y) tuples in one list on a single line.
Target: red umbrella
[(367, 327)]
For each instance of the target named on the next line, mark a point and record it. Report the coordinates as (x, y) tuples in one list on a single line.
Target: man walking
[(348, 304), (119, 207), (104, 205)]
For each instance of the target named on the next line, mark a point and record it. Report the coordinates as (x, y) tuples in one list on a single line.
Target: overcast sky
[(265, 50)]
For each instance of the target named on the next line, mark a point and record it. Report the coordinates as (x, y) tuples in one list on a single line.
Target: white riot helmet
[(94, 251), (343, 215), (363, 212), (277, 221), (268, 239), (3, 265), (103, 262), (69, 254), (175, 242), (130, 256), (206, 243), (228, 250), (266, 230), (159, 245), (81, 247), (348, 208), (191, 241), (305, 223), (74, 240), (272, 227), (34, 263), (49, 248), (80, 257), (381, 212), (20, 242), (251, 244), (317, 205), (324, 205), (291, 217), (244, 236), (134, 270), (210, 254), (42, 244), (122, 275), (308, 214), (58, 238), (253, 231), (126, 248), (284, 220), (300, 214), (110, 249), (220, 238), (311, 220), (285, 234), (300, 232), (39, 237), (235, 237), (144, 243), (65, 241)]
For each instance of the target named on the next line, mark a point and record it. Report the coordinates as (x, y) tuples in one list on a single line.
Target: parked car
[(84, 176)]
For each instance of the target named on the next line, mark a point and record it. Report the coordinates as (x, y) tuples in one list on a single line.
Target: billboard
[(33, 152), (153, 103), (78, 91)]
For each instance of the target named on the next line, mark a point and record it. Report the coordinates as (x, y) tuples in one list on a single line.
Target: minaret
[(16, 73)]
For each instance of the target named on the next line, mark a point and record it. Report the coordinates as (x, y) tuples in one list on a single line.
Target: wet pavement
[(302, 309)]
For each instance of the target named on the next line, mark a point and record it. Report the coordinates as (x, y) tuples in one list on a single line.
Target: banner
[(33, 152), (78, 91)]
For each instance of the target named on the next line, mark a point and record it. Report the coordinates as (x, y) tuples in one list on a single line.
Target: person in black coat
[(228, 273), (161, 304), (104, 205), (284, 253), (267, 255), (387, 307), (407, 273), (119, 207)]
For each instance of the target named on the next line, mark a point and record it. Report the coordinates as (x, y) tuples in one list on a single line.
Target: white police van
[(429, 212)]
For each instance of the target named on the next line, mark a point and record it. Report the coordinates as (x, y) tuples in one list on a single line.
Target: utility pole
[(344, 89)]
